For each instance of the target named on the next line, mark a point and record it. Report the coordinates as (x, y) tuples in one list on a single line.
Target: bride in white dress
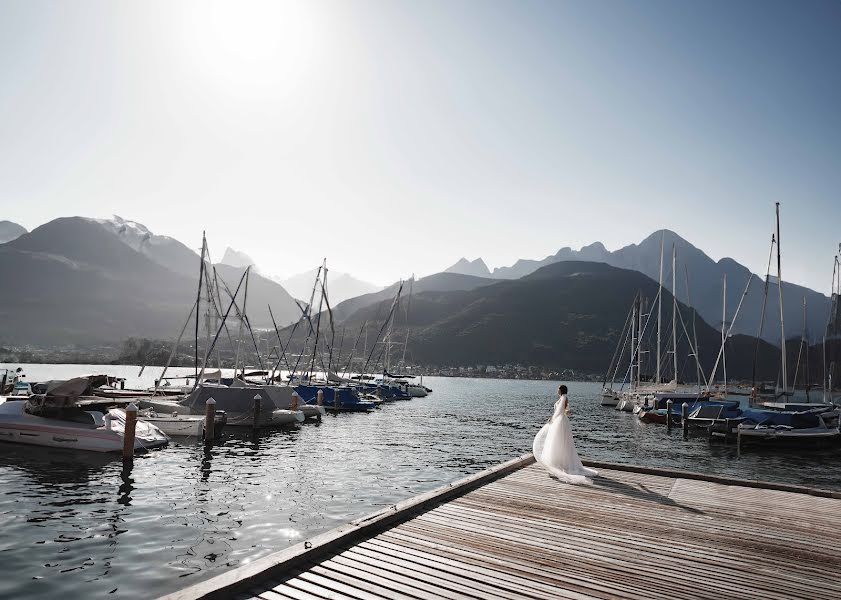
[(554, 447)]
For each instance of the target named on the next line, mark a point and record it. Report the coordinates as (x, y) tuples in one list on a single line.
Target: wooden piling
[(209, 420), (319, 398), (335, 399), (684, 418), (293, 404), (257, 408), (668, 415), (128, 432)]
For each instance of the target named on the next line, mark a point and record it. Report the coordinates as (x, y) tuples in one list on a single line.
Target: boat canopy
[(797, 420)]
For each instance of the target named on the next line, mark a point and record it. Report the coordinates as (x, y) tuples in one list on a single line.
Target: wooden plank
[(749, 483), (349, 591), (361, 580)]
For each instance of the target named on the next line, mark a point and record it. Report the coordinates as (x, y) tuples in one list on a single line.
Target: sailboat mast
[(242, 321), (639, 341), (694, 329), (408, 306), (724, 331), (674, 312), (805, 341), (660, 305), (634, 348), (782, 320), (198, 298)]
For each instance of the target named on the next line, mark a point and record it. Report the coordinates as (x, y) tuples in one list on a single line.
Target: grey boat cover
[(229, 399)]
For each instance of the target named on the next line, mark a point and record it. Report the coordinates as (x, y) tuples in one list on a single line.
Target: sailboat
[(243, 405)]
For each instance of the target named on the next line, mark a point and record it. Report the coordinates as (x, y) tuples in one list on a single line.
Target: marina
[(80, 523)]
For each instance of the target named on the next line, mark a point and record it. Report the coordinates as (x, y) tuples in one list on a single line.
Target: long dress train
[(554, 448)]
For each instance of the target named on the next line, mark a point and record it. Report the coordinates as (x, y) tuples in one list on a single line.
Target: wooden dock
[(513, 532)]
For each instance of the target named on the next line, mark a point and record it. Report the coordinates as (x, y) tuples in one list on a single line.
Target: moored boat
[(175, 425), (239, 404), (63, 418)]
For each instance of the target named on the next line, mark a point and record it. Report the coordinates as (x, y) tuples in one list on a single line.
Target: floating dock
[(514, 532)]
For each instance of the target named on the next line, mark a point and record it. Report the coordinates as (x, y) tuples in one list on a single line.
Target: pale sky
[(396, 137)]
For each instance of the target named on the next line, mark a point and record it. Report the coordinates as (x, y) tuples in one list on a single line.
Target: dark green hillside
[(566, 315)]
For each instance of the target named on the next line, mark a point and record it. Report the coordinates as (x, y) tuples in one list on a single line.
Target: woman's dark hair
[(562, 389)]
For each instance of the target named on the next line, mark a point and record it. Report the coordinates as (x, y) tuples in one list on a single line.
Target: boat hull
[(19, 427)]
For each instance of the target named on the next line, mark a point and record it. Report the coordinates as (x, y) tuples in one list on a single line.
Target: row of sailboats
[(757, 412), (86, 412), (296, 387)]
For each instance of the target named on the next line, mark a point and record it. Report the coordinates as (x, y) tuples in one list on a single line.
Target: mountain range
[(79, 280), (86, 281), (564, 315), (704, 278)]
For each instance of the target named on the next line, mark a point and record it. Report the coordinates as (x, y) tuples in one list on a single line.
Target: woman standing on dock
[(554, 447)]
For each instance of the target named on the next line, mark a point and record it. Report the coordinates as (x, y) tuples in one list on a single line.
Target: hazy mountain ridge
[(340, 286), (439, 282), (80, 280), (235, 258), (476, 268), (10, 230), (705, 278), (565, 315)]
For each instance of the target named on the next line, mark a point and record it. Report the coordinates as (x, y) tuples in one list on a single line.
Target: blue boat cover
[(797, 420)]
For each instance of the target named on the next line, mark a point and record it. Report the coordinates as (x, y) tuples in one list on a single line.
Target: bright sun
[(253, 43)]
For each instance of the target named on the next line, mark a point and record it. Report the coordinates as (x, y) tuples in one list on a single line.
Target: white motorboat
[(609, 398), (176, 425), (42, 421)]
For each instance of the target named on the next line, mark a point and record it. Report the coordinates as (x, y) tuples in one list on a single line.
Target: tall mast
[(782, 321), (639, 341), (805, 342), (660, 305), (674, 312), (694, 329), (198, 298), (408, 306), (242, 322), (724, 331), (633, 343)]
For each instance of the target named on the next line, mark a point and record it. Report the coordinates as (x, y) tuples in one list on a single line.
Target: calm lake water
[(74, 524)]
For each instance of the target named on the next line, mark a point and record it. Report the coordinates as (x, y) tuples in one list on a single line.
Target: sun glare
[(252, 43)]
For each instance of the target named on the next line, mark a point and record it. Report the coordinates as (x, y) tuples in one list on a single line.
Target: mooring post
[(128, 432), (257, 406), (122, 384), (335, 399), (684, 418), (319, 398), (668, 415), (209, 421), (293, 404)]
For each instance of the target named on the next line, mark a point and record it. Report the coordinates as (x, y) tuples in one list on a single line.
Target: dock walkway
[(513, 532)]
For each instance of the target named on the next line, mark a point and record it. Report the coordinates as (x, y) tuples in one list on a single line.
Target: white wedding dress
[(554, 448)]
